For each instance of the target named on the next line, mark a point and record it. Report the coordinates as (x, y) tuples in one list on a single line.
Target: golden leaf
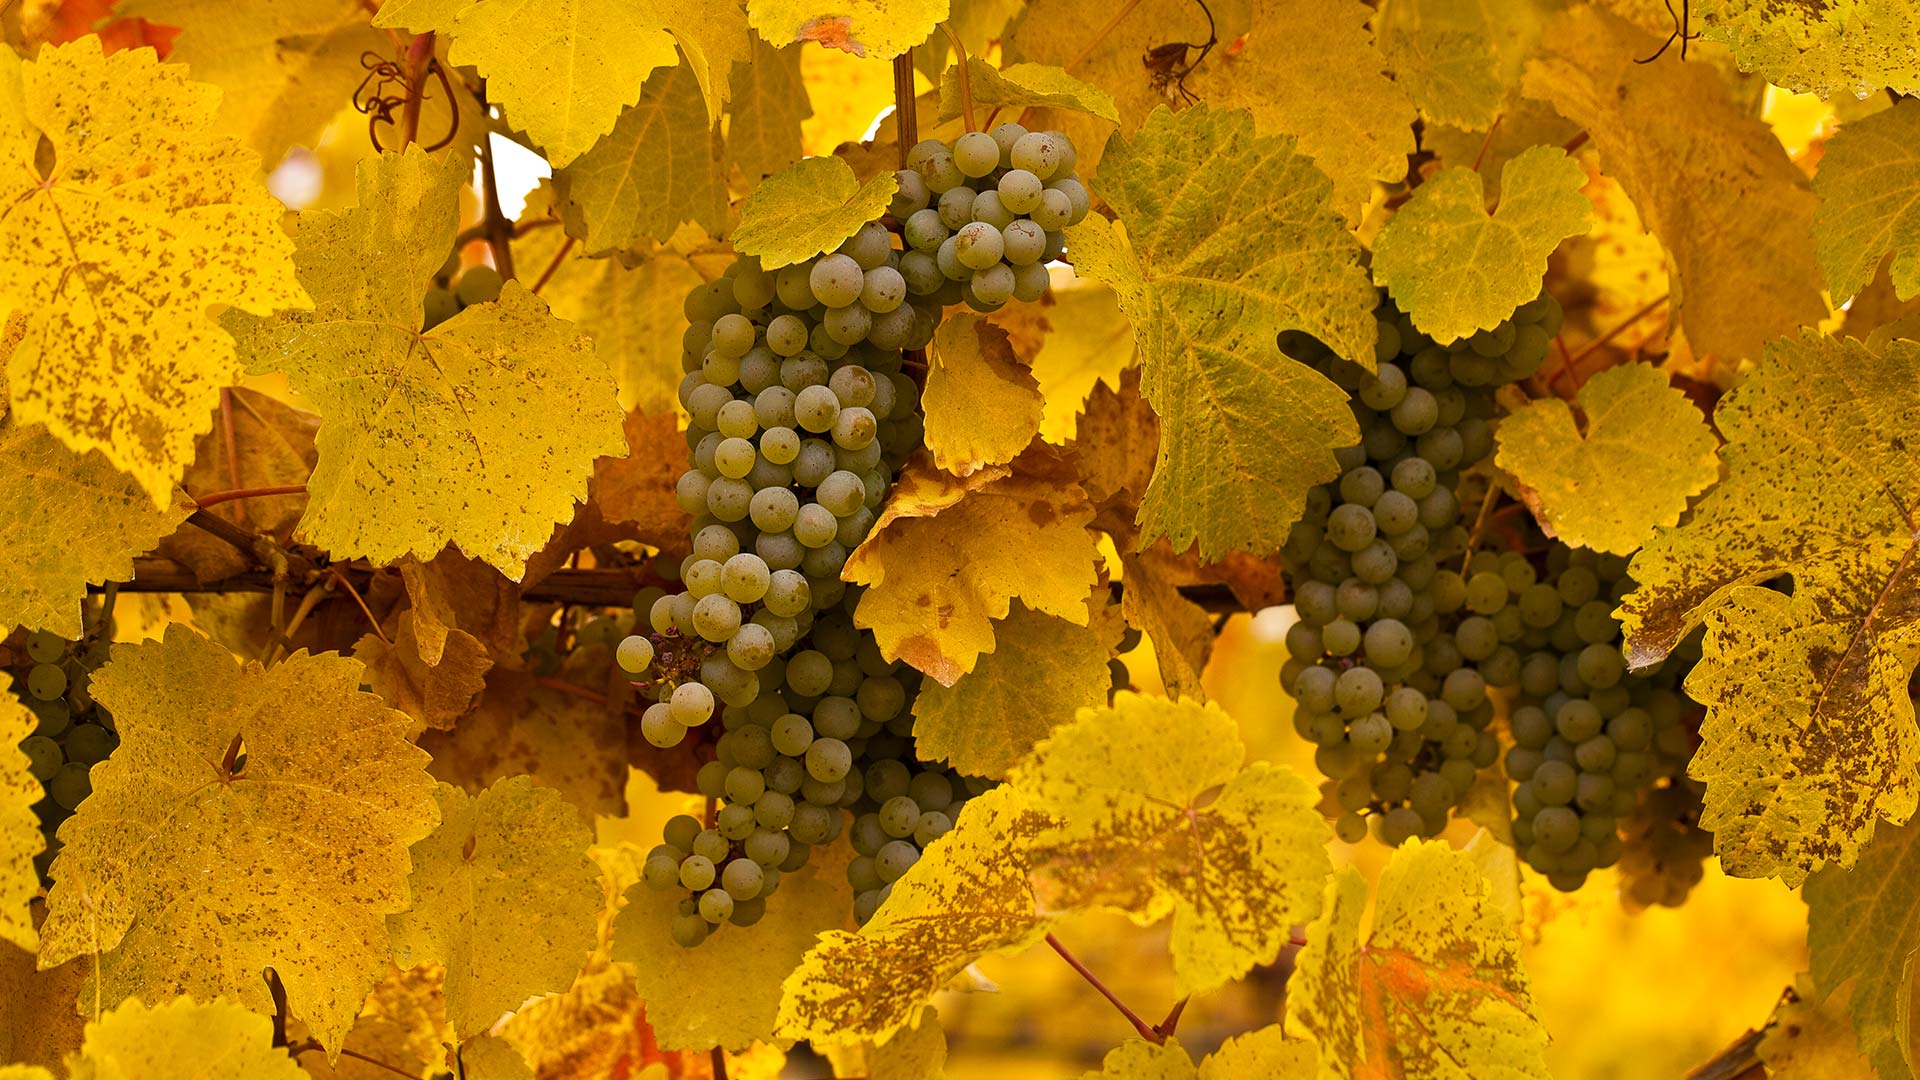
[(215, 1041), (20, 837), (1863, 933), (982, 404), (658, 169), (433, 694)]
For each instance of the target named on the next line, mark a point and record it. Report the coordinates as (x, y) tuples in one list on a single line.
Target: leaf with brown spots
[(403, 1023), (433, 694), (219, 1040), (967, 898), (193, 871), (145, 221), (1435, 988), (1139, 832), (1809, 736), (1181, 630), (872, 29), (981, 403), (20, 837), (1266, 1052), (948, 556)]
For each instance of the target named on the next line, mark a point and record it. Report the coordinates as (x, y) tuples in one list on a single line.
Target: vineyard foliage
[(913, 538)]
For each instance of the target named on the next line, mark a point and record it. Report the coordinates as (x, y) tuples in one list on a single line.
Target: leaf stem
[(232, 445), (966, 83), (334, 572), (1146, 1030), (1487, 142), (218, 497), (308, 1046), (499, 231), (558, 257), (419, 55)]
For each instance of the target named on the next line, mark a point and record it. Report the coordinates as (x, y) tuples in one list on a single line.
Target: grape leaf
[(1809, 735), (1454, 268), (403, 1023), (197, 874), (1810, 1037), (639, 488), (1181, 630), (215, 1041), (489, 1057), (1266, 1052), (1245, 431), (1435, 989), (870, 29), (1018, 86), (769, 105), (918, 1052), (1360, 135), (20, 839), (25, 1072), (452, 592), (1851, 46), (1710, 179), (658, 169), (1640, 450), (807, 208), (1133, 833), (1042, 670), (596, 1028), (967, 898), (435, 694), (284, 69), (741, 1009), (1088, 342), (273, 447), (982, 404), (1863, 925), (1459, 62), (563, 741), (510, 398), (504, 897), (146, 218), (67, 520), (1869, 189), (39, 1024), (947, 557)]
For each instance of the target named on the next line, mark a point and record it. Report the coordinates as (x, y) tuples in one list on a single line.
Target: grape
[(976, 153), (1020, 191), (46, 647), (478, 285), (978, 245), (46, 681), (1037, 152)]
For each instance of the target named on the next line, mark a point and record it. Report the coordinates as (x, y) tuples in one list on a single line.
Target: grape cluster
[(1664, 852), (1589, 736), (982, 216), (72, 733), (1393, 655), (454, 290)]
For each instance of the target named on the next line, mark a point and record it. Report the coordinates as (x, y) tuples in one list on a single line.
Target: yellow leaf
[(1809, 735), (1042, 670), (741, 1009), (947, 557), (1863, 925), (39, 1024), (1245, 431), (147, 220), (807, 208), (20, 838), (403, 1023), (639, 488), (1850, 46), (1455, 269), (967, 898), (1137, 1059), (504, 898), (1435, 989), (1710, 180), (1113, 453), (1642, 451), (1869, 189), (491, 1058), (502, 395), (1812, 1039), (216, 1041), (575, 746), (982, 404), (658, 169), (1181, 630), (1265, 1053), (67, 520), (24, 1072), (1459, 62), (197, 874), (870, 29), (1362, 134), (1018, 86), (769, 108), (273, 447), (1089, 342), (1134, 833), (434, 694), (421, 16), (284, 67), (596, 1028)]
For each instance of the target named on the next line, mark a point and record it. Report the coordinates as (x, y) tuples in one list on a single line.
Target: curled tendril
[(386, 88), (1680, 19), (1167, 65)]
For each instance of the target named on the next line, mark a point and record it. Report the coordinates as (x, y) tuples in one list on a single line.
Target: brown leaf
[(434, 694), (565, 741), (453, 592), (637, 490)]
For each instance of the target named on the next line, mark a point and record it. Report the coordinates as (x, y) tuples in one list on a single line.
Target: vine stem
[(232, 445), (218, 497), (1486, 142), (499, 231), (1147, 1031), (1590, 347), (906, 118), (554, 266), (419, 55), (966, 83), (719, 1059)]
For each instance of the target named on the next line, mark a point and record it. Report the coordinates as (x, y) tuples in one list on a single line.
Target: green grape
[(70, 785), (44, 756), (46, 647), (478, 285), (89, 744), (894, 859), (689, 931), (47, 681)]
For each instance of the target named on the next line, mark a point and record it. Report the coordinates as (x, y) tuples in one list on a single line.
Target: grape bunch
[(72, 733), (1589, 736), (454, 290), (982, 217), (1393, 655), (1664, 852)]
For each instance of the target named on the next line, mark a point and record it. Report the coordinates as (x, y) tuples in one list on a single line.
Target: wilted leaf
[(147, 220), (197, 873), (948, 557), (1459, 62), (872, 29), (20, 839), (1640, 450), (452, 592), (565, 742), (1850, 46), (434, 694), (1114, 448), (966, 898), (769, 104), (1710, 180), (659, 168), (982, 404), (1018, 86), (1869, 189), (39, 1024), (1863, 925), (1245, 431), (807, 208), (1454, 268), (1810, 734), (215, 1041), (1435, 989), (596, 1028), (1135, 832), (504, 898), (1041, 672), (502, 395)]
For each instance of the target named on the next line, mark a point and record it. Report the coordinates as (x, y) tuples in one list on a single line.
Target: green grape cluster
[(1393, 655), (1589, 736), (454, 290), (982, 216), (1664, 851), (72, 732)]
